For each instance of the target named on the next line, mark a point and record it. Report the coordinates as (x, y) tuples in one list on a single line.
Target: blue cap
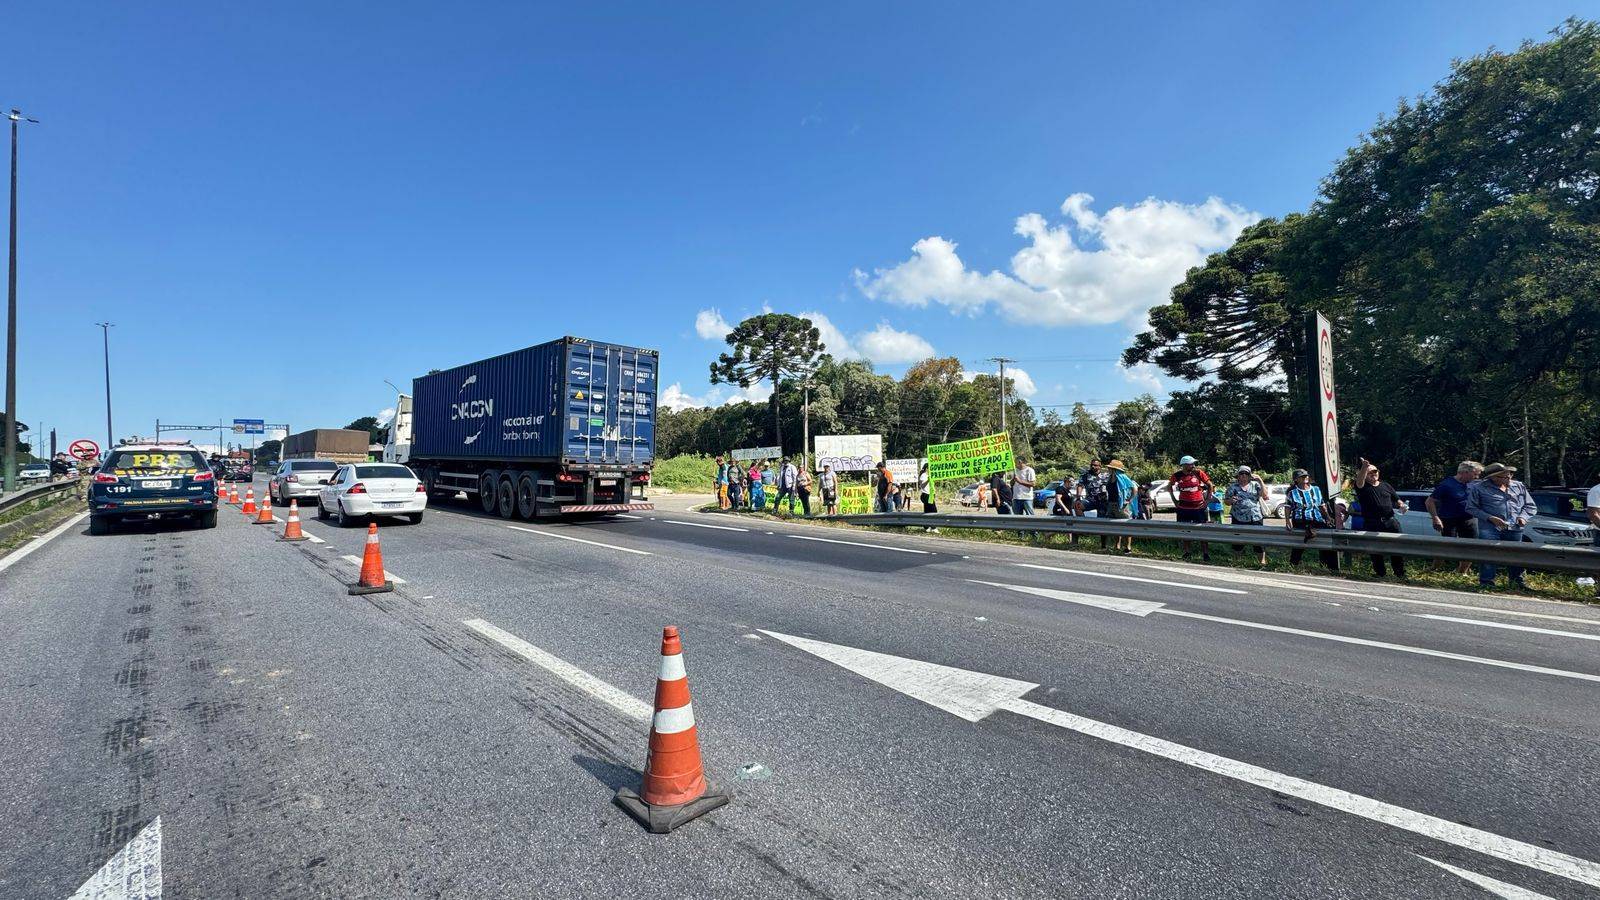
[(1186, 461)]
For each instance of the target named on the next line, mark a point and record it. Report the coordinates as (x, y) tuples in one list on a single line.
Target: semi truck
[(337, 444), (557, 429)]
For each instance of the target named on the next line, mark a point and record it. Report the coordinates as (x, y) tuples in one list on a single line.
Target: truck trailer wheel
[(488, 489), (506, 499), (528, 495)]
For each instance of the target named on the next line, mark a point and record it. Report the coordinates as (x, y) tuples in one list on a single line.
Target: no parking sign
[(83, 449)]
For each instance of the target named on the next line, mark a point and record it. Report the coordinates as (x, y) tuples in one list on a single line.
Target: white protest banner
[(753, 453), (905, 471), (849, 452)]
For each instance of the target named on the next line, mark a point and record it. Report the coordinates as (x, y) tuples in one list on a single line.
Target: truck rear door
[(611, 400)]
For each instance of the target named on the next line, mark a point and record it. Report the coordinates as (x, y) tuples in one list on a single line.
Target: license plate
[(392, 505), (152, 483)]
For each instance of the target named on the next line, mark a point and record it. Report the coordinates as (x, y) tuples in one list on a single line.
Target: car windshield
[(1563, 505), (382, 471), (155, 462), (35, 467), (313, 465)]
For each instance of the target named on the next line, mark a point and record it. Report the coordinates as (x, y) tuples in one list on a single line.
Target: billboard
[(848, 452)]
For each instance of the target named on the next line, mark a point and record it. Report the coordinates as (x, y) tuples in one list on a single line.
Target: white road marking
[(625, 516), (1493, 885), (312, 538), (622, 702), (17, 554), (807, 537), (975, 695), (568, 537), (1384, 645), (705, 525), (1115, 604), (1176, 584), (1317, 589), (132, 873), (1508, 626), (387, 575)]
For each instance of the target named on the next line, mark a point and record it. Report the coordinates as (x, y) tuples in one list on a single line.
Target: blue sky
[(281, 206)]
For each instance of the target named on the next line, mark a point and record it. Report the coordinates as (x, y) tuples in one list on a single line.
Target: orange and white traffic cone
[(265, 517), (291, 530), (249, 501), (372, 578), (674, 789), (233, 494)]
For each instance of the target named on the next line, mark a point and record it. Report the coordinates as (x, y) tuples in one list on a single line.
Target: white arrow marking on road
[(132, 873), (705, 525), (1115, 604), (388, 575), (1176, 584), (807, 537), (1493, 885), (974, 695), (1508, 626), (1146, 607)]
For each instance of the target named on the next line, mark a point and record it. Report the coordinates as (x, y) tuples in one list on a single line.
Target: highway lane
[(870, 792)]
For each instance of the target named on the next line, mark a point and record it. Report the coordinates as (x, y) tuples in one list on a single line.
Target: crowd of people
[(739, 487)]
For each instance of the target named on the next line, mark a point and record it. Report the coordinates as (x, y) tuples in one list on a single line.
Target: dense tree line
[(1456, 249)]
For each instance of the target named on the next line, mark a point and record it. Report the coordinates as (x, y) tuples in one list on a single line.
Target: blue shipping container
[(571, 400)]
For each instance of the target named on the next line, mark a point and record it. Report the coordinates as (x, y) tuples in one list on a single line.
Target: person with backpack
[(1307, 510), (1120, 500), (1190, 490)]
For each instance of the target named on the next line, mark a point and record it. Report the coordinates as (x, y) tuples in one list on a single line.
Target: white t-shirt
[(1020, 491)]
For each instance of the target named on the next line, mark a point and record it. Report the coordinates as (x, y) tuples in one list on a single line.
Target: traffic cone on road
[(249, 501), (233, 494), (674, 789), (265, 518), (372, 580), (291, 530)]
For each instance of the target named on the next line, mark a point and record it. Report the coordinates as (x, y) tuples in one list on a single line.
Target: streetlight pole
[(16, 118), (105, 340)]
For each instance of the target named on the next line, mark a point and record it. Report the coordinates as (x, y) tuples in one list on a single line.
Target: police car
[(142, 481)]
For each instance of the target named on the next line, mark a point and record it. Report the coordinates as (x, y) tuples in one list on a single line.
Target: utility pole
[(805, 420), (105, 340), (1002, 360), (16, 118)]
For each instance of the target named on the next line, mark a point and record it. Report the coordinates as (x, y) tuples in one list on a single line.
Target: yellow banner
[(975, 458)]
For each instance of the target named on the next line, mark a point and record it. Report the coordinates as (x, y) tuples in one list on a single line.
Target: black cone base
[(662, 819)]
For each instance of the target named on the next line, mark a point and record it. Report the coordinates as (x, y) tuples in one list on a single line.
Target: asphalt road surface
[(209, 714)]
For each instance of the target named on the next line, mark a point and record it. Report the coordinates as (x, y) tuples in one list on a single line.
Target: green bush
[(685, 473)]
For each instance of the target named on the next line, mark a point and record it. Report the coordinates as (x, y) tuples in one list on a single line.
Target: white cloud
[(885, 344), (1143, 250), (833, 340), (1143, 376), (386, 416), (1021, 382), (710, 325), (676, 398)]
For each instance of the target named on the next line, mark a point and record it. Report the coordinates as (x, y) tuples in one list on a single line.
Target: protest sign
[(905, 471), (973, 458), (849, 452), (754, 453), (855, 499)]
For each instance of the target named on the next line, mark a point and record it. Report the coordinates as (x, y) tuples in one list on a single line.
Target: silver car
[(300, 479), (1543, 528)]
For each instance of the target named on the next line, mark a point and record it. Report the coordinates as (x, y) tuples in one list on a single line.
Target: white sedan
[(361, 490)]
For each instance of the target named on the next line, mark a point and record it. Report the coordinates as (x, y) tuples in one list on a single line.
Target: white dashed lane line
[(567, 537), (807, 537), (704, 525)]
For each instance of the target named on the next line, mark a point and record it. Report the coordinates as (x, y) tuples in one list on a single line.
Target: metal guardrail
[(1499, 553), (36, 492)]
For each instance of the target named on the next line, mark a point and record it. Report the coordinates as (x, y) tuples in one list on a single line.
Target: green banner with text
[(974, 458)]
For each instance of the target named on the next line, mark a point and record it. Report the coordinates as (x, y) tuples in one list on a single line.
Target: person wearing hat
[(1190, 490), (1305, 508), (1244, 497), (1378, 505), (1502, 506), (1120, 491)]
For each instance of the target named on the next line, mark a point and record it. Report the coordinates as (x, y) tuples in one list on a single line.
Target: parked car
[(1277, 498), (1043, 497), (152, 481), (33, 473), (362, 490), (968, 496), (300, 479), (1542, 529), (1158, 492)]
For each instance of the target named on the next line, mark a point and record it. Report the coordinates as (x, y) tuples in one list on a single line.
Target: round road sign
[(1330, 450), (1325, 363), (83, 449)]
